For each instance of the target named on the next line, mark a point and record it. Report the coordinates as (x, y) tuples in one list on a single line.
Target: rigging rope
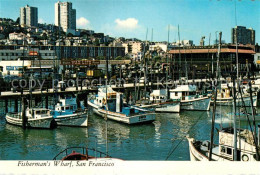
[(170, 153)]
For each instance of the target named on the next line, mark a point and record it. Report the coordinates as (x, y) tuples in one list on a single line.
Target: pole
[(24, 119), (179, 55), (214, 104), (234, 119)]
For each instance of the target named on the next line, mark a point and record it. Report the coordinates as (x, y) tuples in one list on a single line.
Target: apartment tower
[(65, 16), (28, 16)]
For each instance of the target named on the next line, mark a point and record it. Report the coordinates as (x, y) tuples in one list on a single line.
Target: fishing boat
[(224, 151), (190, 99), (160, 103), (66, 113), (35, 118), (83, 153), (108, 103), (225, 97)]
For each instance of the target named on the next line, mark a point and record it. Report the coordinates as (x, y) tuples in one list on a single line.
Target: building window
[(6, 54), (223, 150), (16, 54), (229, 151), (176, 93)]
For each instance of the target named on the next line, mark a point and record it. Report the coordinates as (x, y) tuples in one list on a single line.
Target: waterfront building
[(244, 35), (257, 55), (28, 16), (65, 17), (183, 43), (13, 52), (201, 60)]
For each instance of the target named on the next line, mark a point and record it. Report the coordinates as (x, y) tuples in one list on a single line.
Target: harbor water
[(164, 139)]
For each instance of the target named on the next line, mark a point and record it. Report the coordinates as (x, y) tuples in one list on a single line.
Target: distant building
[(183, 43), (244, 35), (13, 52), (201, 61), (28, 16), (65, 16)]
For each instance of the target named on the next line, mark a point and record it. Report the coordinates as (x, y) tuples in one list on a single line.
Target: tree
[(44, 36), (17, 20), (70, 35), (96, 42), (119, 58)]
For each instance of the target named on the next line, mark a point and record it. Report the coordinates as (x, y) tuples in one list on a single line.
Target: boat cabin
[(35, 113), (246, 152), (66, 105), (159, 95), (113, 101), (183, 92)]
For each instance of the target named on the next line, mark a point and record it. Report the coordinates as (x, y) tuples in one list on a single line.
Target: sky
[(133, 18)]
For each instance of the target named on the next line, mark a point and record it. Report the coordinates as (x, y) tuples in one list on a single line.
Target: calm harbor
[(164, 139)]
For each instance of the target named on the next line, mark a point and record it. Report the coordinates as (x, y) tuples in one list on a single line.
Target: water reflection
[(163, 139)]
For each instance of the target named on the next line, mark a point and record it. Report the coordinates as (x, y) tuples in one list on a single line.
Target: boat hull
[(200, 104), (78, 119), (173, 107), (31, 123), (229, 101), (119, 117)]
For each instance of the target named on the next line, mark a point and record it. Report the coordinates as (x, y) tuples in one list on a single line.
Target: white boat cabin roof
[(110, 92), (184, 88), (159, 92)]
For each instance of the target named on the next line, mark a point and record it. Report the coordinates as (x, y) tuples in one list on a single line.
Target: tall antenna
[(152, 35)]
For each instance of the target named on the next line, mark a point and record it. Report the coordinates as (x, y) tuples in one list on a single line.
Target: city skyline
[(131, 18)]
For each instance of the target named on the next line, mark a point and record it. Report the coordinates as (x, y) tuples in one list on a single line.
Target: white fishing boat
[(225, 97), (114, 108), (35, 118), (66, 113), (161, 103), (224, 151), (190, 100)]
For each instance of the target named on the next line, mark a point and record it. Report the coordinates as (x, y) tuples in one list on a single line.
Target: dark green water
[(164, 139)]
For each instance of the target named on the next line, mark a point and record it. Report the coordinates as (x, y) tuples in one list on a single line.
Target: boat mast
[(106, 104), (167, 63), (23, 100), (179, 55), (234, 118), (145, 64), (215, 99), (253, 112)]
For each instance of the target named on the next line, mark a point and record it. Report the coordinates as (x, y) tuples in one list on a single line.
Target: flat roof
[(223, 50)]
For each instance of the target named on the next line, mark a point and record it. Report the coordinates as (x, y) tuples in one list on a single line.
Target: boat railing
[(84, 150), (14, 115)]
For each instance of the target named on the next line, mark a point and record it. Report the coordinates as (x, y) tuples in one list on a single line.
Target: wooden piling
[(6, 105), (46, 102), (24, 118), (15, 105), (86, 100)]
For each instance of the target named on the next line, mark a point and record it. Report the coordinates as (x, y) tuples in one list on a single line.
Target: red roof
[(223, 50)]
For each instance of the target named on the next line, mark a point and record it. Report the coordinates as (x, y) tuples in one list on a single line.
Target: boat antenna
[(215, 99)]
